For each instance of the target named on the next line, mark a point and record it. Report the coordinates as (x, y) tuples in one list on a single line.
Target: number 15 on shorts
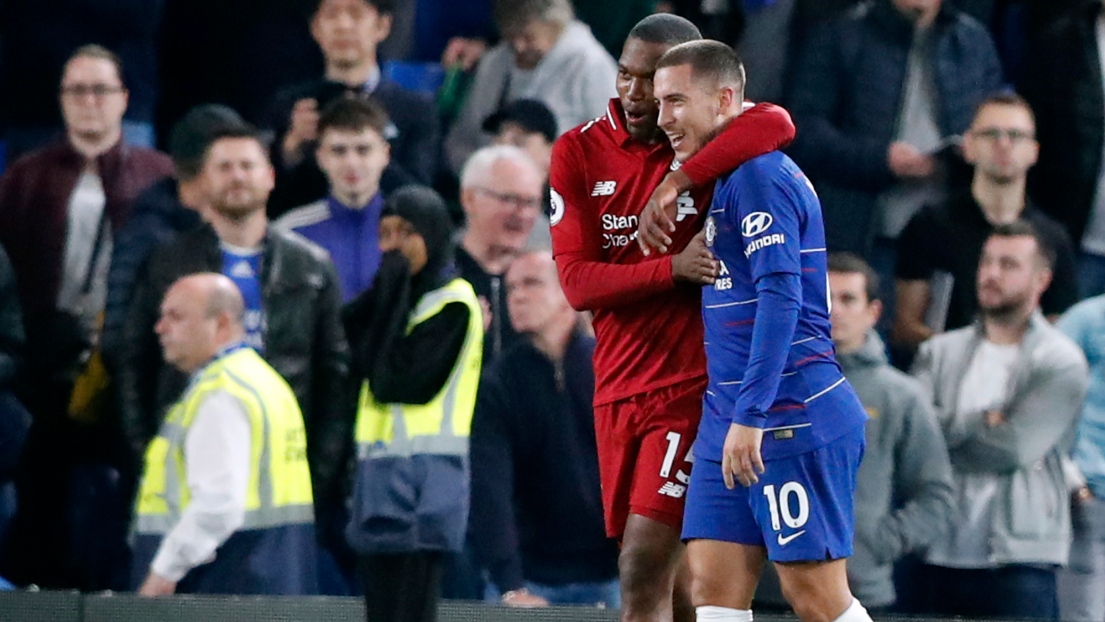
[(677, 488)]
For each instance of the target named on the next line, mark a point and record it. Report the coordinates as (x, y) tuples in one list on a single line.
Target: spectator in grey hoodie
[(904, 484), (546, 54), (1008, 392)]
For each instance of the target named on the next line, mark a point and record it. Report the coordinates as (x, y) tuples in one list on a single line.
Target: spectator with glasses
[(60, 207), (945, 240), (500, 191)]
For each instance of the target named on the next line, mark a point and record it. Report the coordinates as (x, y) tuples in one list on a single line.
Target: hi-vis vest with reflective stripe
[(442, 425), (279, 491)]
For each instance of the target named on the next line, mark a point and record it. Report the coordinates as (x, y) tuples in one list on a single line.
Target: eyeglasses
[(516, 200), (996, 133), (99, 91)]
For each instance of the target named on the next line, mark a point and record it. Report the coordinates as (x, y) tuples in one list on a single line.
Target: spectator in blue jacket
[(1082, 582), (348, 32), (876, 95), (352, 152)]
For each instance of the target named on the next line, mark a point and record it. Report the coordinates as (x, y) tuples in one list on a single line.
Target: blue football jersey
[(769, 352)]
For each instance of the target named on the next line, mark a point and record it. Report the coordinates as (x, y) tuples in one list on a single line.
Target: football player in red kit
[(650, 370)]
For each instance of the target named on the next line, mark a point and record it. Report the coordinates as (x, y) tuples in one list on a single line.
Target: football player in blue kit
[(778, 416)]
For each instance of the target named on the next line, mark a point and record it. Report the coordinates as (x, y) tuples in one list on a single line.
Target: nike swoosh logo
[(785, 541)]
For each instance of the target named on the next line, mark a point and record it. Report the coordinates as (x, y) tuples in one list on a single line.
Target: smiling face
[(690, 114), (237, 176), (636, 70)]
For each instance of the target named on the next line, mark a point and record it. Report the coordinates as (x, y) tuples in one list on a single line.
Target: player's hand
[(740, 456), (906, 162), (695, 264), (156, 585), (657, 219), (302, 128)]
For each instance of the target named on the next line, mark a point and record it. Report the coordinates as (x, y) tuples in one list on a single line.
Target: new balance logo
[(785, 541), (671, 489), (685, 207), (604, 188)]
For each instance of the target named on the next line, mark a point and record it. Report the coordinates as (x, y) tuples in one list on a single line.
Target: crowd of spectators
[(371, 177)]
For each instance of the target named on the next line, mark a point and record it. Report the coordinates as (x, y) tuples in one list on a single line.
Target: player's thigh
[(618, 445), (804, 503), (667, 422), (725, 547)]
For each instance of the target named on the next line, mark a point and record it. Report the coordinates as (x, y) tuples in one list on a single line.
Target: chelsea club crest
[(711, 230)]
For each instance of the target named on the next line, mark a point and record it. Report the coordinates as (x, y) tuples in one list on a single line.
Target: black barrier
[(40, 606), (73, 607)]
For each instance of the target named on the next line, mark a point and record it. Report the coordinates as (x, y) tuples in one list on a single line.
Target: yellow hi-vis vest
[(441, 426), (279, 491)]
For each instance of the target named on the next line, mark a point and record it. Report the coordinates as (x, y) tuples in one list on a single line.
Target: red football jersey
[(648, 328)]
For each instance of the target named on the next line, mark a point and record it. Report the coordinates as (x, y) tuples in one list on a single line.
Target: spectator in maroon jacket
[(59, 209)]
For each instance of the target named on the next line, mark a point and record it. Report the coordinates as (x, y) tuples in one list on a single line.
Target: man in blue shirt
[(778, 416), (353, 153)]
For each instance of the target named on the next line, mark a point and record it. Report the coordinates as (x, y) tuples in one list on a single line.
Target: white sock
[(854, 613), (709, 613)]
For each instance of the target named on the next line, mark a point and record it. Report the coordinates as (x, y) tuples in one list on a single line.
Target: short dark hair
[(1022, 228), (850, 263), (93, 50), (354, 115), (712, 60), (242, 130), (512, 15), (665, 28), (383, 7), (1006, 98), (191, 136)]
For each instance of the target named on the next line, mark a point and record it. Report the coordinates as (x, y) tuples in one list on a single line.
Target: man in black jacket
[(1062, 81), (876, 95), (536, 504), (293, 309), (348, 32)]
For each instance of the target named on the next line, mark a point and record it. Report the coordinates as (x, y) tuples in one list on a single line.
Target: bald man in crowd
[(225, 503)]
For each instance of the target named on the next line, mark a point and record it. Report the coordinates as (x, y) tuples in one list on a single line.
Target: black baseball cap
[(531, 114)]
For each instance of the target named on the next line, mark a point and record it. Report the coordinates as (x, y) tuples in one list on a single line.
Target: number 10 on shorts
[(782, 505)]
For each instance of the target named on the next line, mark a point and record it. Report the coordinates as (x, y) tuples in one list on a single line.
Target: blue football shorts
[(800, 510)]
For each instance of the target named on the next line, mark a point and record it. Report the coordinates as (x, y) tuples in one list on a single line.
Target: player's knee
[(709, 589), (814, 602), (643, 566)]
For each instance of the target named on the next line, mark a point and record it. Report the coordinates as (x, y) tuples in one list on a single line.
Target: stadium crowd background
[(884, 119)]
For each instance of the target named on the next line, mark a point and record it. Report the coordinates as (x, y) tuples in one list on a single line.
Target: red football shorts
[(644, 446)]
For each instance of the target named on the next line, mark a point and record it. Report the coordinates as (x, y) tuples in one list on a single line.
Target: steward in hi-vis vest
[(225, 502), (417, 338)]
